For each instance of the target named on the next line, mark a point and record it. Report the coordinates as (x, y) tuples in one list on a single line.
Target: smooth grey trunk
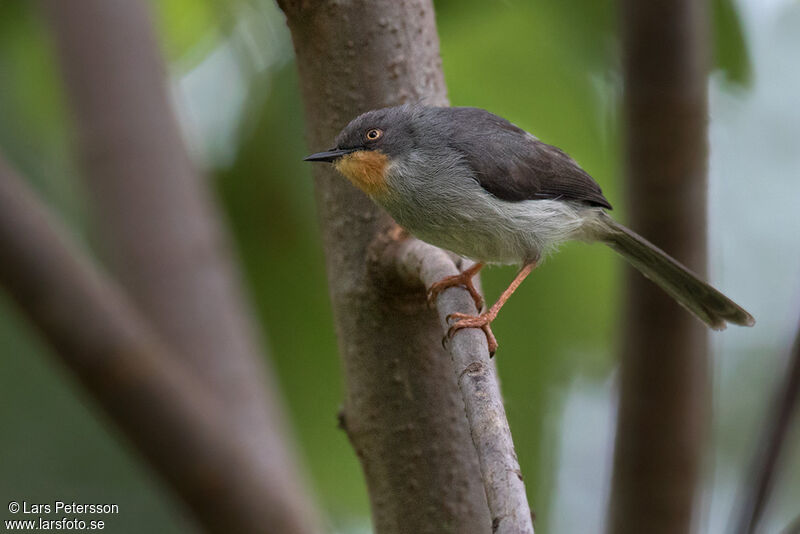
[(402, 411), (664, 389), (158, 404), (160, 227)]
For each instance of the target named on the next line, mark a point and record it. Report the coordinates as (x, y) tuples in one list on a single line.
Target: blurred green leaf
[(189, 29), (34, 132), (730, 47)]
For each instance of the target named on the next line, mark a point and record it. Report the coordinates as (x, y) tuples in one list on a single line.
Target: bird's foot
[(463, 279), (481, 321)]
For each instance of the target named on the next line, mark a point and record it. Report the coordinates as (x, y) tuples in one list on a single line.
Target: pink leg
[(462, 279), (483, 320)]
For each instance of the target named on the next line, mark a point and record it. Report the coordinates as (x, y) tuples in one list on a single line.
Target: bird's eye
[(374, 134)]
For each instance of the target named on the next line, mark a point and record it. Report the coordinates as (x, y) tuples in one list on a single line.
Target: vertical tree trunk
[(663, 384), (160, 226), (402, 411)]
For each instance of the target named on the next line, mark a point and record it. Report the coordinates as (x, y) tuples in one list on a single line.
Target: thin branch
[(156, 401), (764, 467), (793, 527), (415, 262)]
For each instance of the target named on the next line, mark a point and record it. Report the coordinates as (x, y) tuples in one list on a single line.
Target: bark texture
[(416, 261), (160, 405), (402, 412), (159, 225), (663, 383)]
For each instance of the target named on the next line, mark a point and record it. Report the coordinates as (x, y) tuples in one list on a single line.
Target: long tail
[(705, 302)]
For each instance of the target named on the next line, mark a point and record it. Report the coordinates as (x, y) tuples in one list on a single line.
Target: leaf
[(731, 54)]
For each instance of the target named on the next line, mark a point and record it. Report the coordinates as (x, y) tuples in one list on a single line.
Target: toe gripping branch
[(413, 261), (484, 320), (463, 279)]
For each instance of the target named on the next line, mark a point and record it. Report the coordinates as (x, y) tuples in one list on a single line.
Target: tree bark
[(159, 224), (159, 404), (663, 377), (402, 409)]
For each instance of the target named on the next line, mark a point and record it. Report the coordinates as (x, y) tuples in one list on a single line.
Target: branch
[(793, 527), (755, 493), (415, 262), (155, 401)]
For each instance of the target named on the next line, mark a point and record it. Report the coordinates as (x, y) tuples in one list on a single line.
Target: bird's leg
[(461, 279), (483, 320)]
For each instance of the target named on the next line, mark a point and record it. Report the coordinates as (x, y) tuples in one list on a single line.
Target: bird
[(471, 182)]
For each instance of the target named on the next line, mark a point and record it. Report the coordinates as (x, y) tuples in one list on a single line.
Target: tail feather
[(702, 300)]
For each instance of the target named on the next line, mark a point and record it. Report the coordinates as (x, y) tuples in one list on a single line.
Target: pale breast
[(442, 205)]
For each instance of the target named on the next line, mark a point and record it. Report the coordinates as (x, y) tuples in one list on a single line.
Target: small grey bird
[(473, 183)]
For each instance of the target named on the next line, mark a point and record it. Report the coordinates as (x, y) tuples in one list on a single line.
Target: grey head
[(398, 130), (389, 130)]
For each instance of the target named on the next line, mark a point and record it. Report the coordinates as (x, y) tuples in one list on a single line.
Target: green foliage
[(730, 49), (34, 132), (189, 27)]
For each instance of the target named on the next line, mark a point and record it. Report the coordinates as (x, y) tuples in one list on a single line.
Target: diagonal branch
[(793, 528), (764, 467), (153, 398), (415, 262)]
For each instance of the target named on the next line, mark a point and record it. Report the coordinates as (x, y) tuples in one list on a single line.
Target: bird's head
[(366, 147)]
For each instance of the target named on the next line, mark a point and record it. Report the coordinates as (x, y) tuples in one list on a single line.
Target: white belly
[(477, 225)]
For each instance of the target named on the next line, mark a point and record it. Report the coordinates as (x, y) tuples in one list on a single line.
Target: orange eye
[(374, 134)]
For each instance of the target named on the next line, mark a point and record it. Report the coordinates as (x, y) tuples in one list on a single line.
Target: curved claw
[(463, 279), (459, 316)]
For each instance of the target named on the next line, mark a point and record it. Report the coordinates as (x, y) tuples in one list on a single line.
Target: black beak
[(330, 155)]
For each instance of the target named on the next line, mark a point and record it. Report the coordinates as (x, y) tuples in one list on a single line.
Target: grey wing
[(513, 165)]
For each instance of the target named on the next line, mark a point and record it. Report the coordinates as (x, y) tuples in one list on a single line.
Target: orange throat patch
[(366, 169)]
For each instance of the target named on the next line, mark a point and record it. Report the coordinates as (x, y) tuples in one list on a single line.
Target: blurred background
[(550, 66)]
